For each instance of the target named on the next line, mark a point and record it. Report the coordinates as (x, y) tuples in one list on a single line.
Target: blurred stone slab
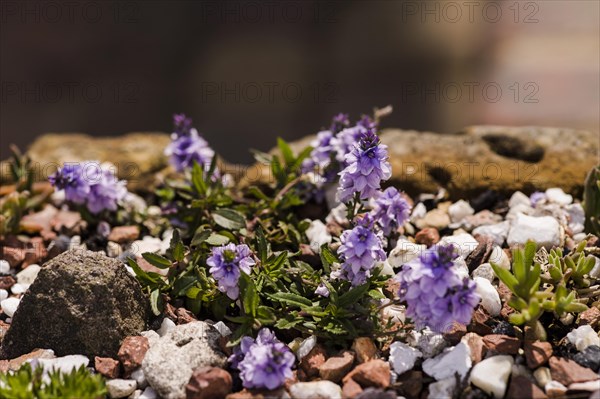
[(136, 156)]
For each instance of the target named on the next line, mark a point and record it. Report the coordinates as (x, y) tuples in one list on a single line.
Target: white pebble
[(4, 267), (418, 212), (555, 389), (491, 375), (28, 275), (453, 360), (428, 342), (315, 390), (306, 346), (403, 357), (222, 329), (3, 295), (544, 230), (490, 300), (498, 232), (18, 289), (149, 393), (465, 243), (442, 389), (518, 198), (499, 257), (317, 235), (9, 306), (166, 326), (558, 196), (484, 271), (404, 252), (583, 336), (590, 386), (139, 377), (542, 376), (576, 218), (460, 210), (65, 364), (119, 388)]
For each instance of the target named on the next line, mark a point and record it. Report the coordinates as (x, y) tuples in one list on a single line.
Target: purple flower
[(70, 178), (536, 197), (181, 124), (263, 363), (436, 294), (343, 143), (184, 150), (391, 210), (89, 183), (106, 192), (339, 122), (367, 167), (320, 156), (227, 262), (322, 290), (366, 122), (360, 251)]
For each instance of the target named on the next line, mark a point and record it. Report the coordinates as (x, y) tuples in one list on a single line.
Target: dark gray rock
[(82, 302)]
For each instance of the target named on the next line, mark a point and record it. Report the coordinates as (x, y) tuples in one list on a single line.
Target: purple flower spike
[(339, 122), (391, 210), (436, 294), (227, 262), (88, 183), (263, 363), (360, 251), (185, 149), (70, 178), (367, 166), (182, 124)]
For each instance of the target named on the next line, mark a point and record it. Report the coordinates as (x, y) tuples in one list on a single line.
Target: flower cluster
[(331, 147), (226, 263), (187, 147), (360, 250), (263, 363), (436, 294), (88, 183), (367, 166), (390, 210)]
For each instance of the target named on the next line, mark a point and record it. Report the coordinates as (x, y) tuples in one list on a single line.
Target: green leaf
[(182, 284), (229, 219), (198, 178), (517, 319), (250, 299), (328, 258), (156, 302), (200, 236), (216, 239), (576, 307), (287, 322), (261, 245), (148, 279), (505, 276), (292, 299), (157, 260), (352, 296), (305, 153), (286, 151), (376, 294), (518, 266), (266, 315)]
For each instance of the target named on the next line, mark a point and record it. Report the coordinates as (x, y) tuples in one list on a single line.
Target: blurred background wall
[(248, 71)]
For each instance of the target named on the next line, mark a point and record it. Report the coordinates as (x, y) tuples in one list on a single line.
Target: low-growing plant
[(22, 198), (591, 201), (534, 293), (29, 383)]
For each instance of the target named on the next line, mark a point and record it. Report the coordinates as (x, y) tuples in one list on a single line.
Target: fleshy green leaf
[(229, 219), (156, 260)]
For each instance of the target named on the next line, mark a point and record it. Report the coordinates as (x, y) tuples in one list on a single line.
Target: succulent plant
[(534, 293), (591, 201), (27, 383)]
